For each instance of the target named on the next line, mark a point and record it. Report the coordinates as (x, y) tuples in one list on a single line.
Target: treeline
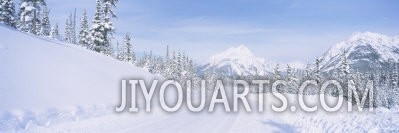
[(385, 80), (33, 17)]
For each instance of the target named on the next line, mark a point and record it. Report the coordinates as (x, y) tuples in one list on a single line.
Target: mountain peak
[(361, 50), (376, 40), (242, 48), (369, 37), (239, 53), (366, 34), (236, 61)]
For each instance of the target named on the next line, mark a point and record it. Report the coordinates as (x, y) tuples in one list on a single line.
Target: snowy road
[(186, 122), (148, 122), (183, 121)]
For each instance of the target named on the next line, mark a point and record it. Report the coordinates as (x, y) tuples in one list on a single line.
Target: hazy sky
[(279, 30)]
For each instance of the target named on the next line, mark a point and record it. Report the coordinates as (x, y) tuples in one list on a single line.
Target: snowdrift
[(44, 73)]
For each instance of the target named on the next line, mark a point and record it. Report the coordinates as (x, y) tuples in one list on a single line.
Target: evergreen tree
[(67, 36), (277, 75), (179, 65), (174, 67), (120, 52), (71, 30), (146, 65), (183, 69), (377, 78), (54, 32), (167, 71), (109, 49), (7, 13), (381, 93), (150, 57), (98, 31), (394, 83), (292, 81), (28, 15), (345, 70), (211, 78), (394, 76), (157, 66), (317, 71), (308, 72), (45, 26), (289, 72), (108, 4), (184, 64), (73, 27), (167, 52), (38, 24), (84, 37), (129, 54), (191, 70), (108, 26)]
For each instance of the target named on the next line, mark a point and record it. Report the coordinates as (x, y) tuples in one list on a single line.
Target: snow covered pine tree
[(29, 15), (84, 36), (45, 23), (7, 13)]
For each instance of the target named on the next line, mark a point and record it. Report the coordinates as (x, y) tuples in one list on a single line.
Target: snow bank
[(44, 80)]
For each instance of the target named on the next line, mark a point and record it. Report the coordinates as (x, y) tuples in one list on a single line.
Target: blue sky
[(279, 30)]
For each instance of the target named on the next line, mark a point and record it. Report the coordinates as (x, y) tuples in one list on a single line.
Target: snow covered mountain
[(236, 61), (363, 51)]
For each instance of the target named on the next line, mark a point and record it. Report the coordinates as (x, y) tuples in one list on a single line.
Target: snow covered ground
[(48, 86)]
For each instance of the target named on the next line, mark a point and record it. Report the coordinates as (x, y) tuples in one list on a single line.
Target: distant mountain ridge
[(364, 52), (236, 61)]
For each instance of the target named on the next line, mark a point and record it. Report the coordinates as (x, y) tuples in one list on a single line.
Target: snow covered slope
[(43, 73), (237, 61), (363, 50)]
